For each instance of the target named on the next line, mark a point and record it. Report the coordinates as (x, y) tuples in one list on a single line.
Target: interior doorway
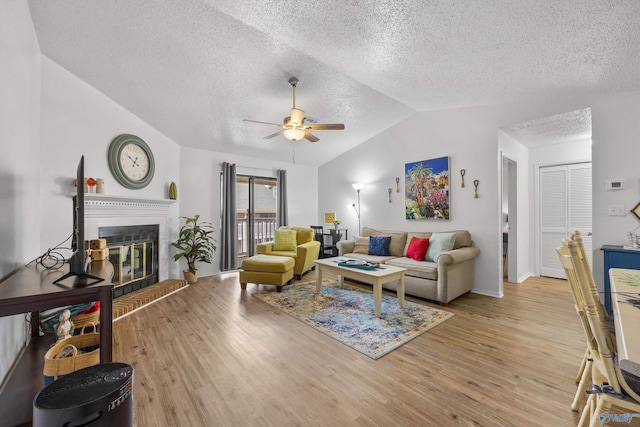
[(509, 220)]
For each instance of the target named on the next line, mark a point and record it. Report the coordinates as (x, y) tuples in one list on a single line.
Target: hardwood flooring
[(212, 355)]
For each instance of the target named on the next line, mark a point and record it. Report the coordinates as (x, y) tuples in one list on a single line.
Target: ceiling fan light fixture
[(297, 116), (293, 134)]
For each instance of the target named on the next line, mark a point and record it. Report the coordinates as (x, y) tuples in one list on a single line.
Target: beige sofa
[(450, 276)]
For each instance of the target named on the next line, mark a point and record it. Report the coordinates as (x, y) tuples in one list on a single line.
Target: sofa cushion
[(438, 243), (379, 245), (463, 239), (417, 248), (284, 240), (421, 269), (361, 246), (398, 239)]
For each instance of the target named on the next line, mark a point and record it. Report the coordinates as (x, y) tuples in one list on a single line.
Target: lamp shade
[(293, 134), (358, 186)]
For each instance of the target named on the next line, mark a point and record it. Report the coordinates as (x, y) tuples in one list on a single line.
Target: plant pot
[(190, 277)]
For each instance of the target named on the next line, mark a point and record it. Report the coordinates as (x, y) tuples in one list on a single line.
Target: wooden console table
[(32, 290)]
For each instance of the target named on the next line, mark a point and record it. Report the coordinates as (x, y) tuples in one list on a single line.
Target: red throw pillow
[(417, 248)]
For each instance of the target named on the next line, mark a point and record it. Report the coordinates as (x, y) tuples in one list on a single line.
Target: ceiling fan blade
[(264, 123), (319, 126), (273, 134), (310, 137), (297, 116)]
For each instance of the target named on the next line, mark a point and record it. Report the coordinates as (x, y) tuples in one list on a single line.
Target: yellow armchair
[(307, 250)]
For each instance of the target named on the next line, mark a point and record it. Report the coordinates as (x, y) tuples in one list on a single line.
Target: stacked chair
[(318, 235), (600, 381)]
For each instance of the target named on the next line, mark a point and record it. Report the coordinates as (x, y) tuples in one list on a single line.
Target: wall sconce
[(397, 184), (357, 186), (389, 189)]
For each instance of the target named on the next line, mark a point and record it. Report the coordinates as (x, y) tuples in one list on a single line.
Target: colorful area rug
[(134, 301), (346, 314)]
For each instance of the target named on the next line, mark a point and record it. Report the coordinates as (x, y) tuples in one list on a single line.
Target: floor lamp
[(357, 187)]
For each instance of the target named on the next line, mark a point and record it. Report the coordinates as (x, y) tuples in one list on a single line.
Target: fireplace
[(138, 232), (133, 251)]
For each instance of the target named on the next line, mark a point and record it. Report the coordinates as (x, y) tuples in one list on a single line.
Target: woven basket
[(80, 320), (55, 366)]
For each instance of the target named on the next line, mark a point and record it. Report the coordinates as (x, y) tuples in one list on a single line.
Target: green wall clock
[(131, 161)]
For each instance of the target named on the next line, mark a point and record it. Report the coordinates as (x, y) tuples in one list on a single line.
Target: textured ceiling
[(567, 127), (194, 69)]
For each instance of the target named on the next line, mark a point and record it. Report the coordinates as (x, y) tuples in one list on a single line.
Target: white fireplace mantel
[(101, 210), (96, 204)]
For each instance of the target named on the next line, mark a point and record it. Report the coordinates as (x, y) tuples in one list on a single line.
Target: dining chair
[(580, 256), (610, 394), (584, 374), (318, 235)]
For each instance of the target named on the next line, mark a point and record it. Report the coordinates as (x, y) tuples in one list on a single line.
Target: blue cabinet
[(617, 257)]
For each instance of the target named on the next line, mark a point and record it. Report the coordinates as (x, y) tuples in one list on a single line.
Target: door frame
[(512, 235), (512, 231)]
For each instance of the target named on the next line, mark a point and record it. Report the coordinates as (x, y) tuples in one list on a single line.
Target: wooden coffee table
[(376, 278)]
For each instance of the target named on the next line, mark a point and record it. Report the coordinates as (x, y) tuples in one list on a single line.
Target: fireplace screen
[(131, 262), (133, 253)]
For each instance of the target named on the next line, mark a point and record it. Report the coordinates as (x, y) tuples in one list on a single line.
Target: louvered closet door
[(565, 206), (580, 211)]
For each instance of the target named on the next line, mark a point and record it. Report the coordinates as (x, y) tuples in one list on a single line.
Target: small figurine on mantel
[(64, 329)]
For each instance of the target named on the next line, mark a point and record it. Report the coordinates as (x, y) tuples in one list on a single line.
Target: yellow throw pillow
[(361, 246), (284, 240)]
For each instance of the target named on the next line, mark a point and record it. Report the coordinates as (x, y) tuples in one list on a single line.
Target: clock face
[(131, 161), (134, 162)]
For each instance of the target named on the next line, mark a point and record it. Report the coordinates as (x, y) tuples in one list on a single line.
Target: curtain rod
[(254, 168)]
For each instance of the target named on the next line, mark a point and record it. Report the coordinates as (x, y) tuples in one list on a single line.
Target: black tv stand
[(30, 290), (77, 280)]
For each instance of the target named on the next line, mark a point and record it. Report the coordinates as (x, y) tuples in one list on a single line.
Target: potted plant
[(336, 223), (194, 244)]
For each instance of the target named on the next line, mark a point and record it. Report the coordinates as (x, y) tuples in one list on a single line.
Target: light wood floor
[(211, 355)]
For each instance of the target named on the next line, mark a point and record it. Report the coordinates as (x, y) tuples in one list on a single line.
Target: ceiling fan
[(294, 127)]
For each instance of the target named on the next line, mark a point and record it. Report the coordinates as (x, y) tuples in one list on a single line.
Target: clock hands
[(135, 162)]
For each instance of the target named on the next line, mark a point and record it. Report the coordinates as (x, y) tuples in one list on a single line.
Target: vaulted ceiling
[(194, 69)]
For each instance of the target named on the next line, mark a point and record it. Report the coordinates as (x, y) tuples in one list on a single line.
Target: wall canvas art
[(427, 189)]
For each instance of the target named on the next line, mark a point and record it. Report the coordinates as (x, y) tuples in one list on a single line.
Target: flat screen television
[(77, 275)]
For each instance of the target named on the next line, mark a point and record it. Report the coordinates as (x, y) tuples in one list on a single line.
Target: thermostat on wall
[(615, 184)]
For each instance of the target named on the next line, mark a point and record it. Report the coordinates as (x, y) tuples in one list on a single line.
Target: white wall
[(470, 137), (19, 124), (79, 120), (616, 153), (200, 171)]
